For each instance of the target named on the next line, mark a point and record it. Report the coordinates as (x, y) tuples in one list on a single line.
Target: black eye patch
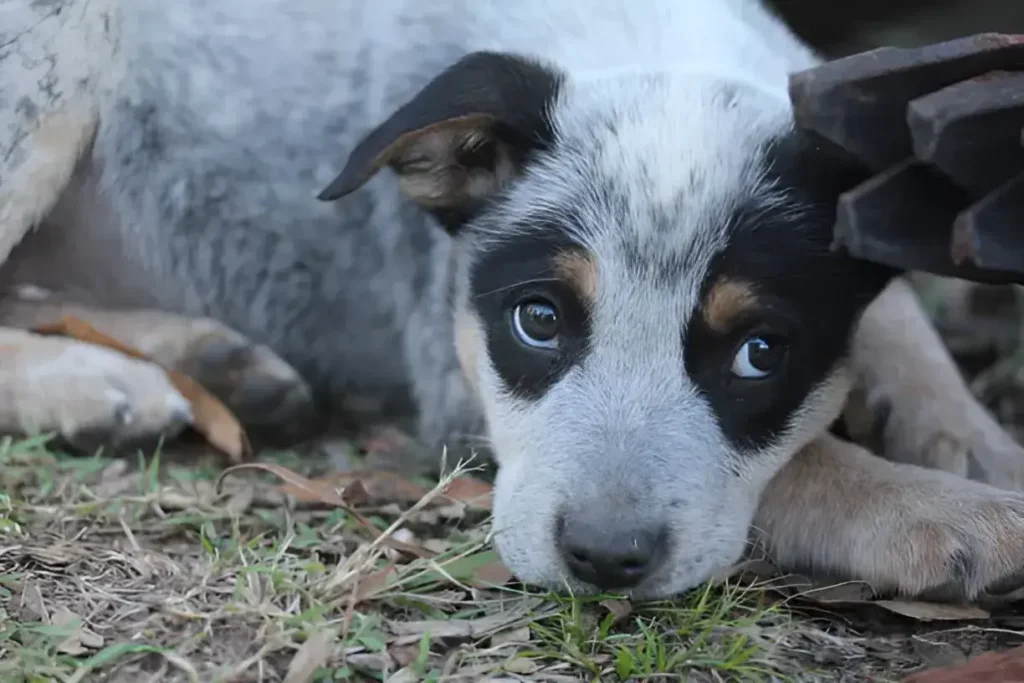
[(750, 411), (524, 270), (803, 291)]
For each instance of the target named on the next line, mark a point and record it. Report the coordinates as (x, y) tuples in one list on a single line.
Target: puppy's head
[(646, 304)]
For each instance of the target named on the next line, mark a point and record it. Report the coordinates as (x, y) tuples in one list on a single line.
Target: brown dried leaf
[(404, 655), (990, 667), (621, 609), (466, 628), (379, 486), (372, 584), (516, 636), (491, 575), (849, 592), (211, 418), (59, 555), (327, 494), (310, 489), (932, 611), (370, 662), (311, 655), (403, 675), (81, 640), (523, 666), (471, 491), (240, 501), (31, 605)]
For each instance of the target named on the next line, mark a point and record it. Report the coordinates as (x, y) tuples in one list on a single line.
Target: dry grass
[(119, 571), (116, 571)]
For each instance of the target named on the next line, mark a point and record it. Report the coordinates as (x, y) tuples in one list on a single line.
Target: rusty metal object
[(987, 235), (943, 128), (971, 131)]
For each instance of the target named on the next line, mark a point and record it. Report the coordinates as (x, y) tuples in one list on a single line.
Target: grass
[(114, 570)]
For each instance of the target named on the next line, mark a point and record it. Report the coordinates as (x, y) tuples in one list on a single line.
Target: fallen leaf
[(521, 665), (59, 555), (990, 667), (328, 495), (937, 653), (240, 501), (380, 486), (386, 486), (81, 639), (372, 584), (404, 655), (516, 636), (211, 418), (932, 611), (482, 569), (403, 675), (470, 628), (309, 489), (471, 491), (311, 655), (848, 592), (32, 607), (370, 662), (491, 574), (620, 609)]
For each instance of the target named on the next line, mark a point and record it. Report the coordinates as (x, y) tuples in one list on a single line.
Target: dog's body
[(649, 324)]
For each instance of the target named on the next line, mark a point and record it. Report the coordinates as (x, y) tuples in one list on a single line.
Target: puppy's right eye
[(537, 324), (758, 357)]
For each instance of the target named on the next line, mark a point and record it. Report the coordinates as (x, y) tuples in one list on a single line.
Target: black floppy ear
[(462, 136)]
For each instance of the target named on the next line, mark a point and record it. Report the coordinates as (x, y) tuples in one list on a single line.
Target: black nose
[(609, 556)]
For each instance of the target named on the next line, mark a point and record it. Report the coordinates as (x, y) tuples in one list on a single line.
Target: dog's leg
[(269, 397), (54, 149), (89, 395), (911, 404), (837, 509), (57, 62)]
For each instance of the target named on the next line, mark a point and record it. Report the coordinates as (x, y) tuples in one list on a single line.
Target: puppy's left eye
[(536, 323), (758, 357)]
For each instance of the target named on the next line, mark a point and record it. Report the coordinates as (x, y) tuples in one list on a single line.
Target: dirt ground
[(141, 569)]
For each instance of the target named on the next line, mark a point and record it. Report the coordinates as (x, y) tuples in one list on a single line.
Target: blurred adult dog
[(584, 230)]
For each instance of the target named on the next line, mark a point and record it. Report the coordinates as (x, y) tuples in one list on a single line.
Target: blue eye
[(536, 323), (757, 358)]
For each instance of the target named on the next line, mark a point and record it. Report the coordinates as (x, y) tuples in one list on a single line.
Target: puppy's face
[(646, 304)]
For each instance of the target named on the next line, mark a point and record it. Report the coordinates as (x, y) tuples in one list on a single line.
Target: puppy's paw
[(91, 396), (911, 403), (958, 545), (950, 431), (266, 394), (837, 510)]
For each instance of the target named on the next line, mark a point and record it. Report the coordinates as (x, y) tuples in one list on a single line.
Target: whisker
[(516, 284)]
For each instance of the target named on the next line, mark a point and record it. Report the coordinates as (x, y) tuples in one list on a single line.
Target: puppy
[(599, 242)]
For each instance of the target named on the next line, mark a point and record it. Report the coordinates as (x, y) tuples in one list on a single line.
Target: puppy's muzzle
[(609, 548)]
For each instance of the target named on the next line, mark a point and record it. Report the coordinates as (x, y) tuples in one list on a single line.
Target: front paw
[(270, 399), (837, 510), (953, 433), (92, 397), (957, 545)]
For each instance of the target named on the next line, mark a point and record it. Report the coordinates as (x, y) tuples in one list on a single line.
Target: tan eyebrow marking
[(726, 301), (580, 271)]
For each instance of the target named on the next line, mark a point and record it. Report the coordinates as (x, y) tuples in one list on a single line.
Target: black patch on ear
[(504, 97), (516, 270), (806, 292)]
